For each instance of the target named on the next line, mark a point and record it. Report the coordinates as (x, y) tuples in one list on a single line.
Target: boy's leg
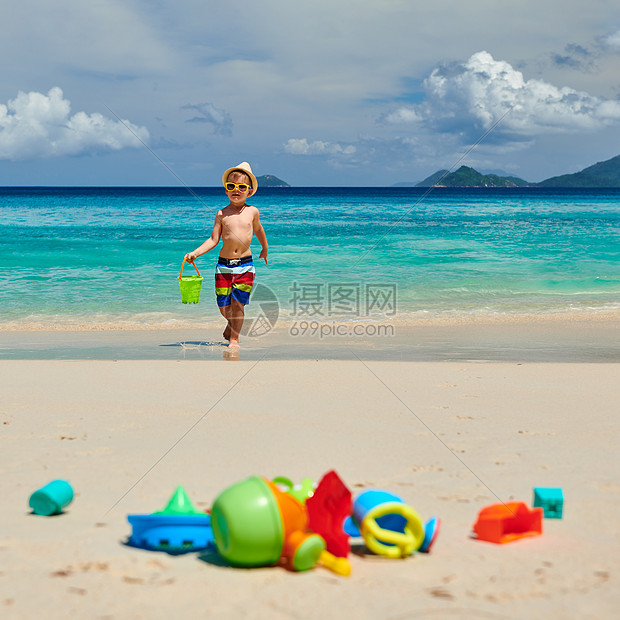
[(225, 311), (235, 321), (239, 296), (223, 289)]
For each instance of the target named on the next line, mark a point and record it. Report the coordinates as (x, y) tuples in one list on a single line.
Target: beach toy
[(388, 526), (340, 566), (190, 285), (327, 510), (52, 498), (301, 491), (551, 500), (431, 530), (502, 523), (178, 528), (256, 524)]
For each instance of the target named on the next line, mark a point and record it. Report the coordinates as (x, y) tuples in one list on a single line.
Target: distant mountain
[(428, 182), (602, 174), (268, 180), (433, 179), (498, 171), (468, 177)]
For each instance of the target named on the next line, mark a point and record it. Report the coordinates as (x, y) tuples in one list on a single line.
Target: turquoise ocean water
[(106, 257)]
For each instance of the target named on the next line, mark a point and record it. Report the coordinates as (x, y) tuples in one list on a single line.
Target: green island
[(604, 174), (268, 180)]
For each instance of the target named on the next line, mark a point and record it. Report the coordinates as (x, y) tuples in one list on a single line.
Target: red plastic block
[(502, 523)]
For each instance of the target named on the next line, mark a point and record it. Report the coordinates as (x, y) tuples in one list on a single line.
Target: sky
[(320, 93)]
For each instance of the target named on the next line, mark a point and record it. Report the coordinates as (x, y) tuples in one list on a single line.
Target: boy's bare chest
[(237, 221)]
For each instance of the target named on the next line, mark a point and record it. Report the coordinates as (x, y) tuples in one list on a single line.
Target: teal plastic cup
[(52, 498)]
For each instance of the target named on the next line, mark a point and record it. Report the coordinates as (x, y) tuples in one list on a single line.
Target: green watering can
[(190, 285)]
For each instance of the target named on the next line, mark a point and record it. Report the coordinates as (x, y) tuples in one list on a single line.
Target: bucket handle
[(192, 263)]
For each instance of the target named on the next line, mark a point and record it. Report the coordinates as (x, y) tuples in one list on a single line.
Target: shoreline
[(412, 319), (526, 339)]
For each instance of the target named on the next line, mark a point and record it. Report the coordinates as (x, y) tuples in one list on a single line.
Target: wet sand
[(580, 339)]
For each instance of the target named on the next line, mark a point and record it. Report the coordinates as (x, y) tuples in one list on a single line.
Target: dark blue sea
[(110, 257)]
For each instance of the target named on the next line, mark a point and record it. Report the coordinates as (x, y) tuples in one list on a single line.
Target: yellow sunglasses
[(243, 187)]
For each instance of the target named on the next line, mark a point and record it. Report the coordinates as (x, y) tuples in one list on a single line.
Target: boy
[(234, 224)]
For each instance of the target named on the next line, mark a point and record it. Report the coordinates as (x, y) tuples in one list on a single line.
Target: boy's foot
[(231, 354), (226, 333), (233, 344)]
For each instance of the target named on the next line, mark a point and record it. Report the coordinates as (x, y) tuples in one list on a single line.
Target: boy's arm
[(210, 243), (259, 231)]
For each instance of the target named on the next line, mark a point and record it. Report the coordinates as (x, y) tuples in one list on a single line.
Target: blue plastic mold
[(171, 533)]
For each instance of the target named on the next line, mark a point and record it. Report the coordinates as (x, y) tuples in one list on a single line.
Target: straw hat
[(246, 169)]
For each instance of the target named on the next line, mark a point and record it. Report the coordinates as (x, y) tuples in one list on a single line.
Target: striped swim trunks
[(234, 278)]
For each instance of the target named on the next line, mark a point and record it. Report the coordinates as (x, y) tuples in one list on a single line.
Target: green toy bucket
[(190, 286)]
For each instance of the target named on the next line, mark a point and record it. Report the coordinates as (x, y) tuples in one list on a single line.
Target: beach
[(420, 415), (457, 353)]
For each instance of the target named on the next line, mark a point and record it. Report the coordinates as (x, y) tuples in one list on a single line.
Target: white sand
[(450, 438)]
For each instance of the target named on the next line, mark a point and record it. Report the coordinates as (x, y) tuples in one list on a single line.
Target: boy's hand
[(190, 258), (263, 255)]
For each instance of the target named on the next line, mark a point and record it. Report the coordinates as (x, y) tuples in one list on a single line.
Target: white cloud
[(219, 120), (613, 40), (469, 98), (36, 125), (402, 115), (301, 146)]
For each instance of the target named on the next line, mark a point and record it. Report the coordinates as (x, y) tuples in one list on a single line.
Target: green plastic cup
[(52, 498), (247, 526), (190, 286)]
